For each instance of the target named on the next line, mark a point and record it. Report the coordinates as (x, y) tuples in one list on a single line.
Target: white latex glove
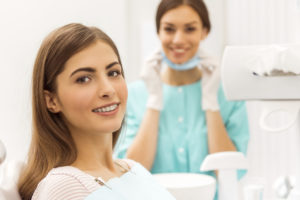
[(210, 81), (9, 176), (151, 75)]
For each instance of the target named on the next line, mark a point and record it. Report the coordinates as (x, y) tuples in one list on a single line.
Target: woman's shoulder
[(135, 167), (65, 183), (126, 163)]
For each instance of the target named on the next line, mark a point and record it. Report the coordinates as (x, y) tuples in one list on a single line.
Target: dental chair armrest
[(9, 176)]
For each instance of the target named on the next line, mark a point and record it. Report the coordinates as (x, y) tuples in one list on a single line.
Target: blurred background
[(131, 24)]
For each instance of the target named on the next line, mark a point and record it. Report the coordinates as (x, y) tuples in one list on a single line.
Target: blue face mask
[(190, 64)]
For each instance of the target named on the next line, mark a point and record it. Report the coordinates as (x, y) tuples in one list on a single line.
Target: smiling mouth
[(106, 109)]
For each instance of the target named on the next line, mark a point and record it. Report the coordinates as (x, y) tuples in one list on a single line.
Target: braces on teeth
[(107, 109)]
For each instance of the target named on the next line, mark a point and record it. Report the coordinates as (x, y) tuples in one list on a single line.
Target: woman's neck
[(177, 78), (94, 155)]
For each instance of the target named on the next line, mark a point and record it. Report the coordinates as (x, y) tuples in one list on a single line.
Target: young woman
[(79, 101), (178, 114)]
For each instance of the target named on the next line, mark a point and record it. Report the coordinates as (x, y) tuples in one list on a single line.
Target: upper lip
[(106, 105), (178, 47)]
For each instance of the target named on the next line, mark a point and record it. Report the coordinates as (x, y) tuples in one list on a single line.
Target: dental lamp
[(270, 74)]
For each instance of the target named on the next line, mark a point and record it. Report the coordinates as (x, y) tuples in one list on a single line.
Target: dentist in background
[(177, 114)]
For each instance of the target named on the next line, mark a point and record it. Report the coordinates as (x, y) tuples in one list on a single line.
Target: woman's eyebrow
[(85, 69), (187, 24), (191, 23), (90, 69), (168, 24), (111, 65)]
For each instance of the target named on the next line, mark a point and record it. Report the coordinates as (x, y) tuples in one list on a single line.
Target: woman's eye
[(169, 29), (190, 29), (83, 79), (114, 73)]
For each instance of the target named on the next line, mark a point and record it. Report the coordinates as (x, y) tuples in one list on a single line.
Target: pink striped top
[(67, 183)]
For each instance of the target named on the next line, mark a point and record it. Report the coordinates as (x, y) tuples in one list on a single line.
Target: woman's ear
[(51, 102)]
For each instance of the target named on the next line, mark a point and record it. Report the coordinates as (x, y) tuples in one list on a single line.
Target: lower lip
[(110, 113)]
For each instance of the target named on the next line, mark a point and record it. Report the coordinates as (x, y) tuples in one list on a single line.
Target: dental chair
[(9, 175), (269, 74)]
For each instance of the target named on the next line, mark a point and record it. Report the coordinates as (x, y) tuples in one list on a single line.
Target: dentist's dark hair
[(198, 5), (52, 144)]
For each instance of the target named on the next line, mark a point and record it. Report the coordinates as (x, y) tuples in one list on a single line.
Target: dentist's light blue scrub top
[(182, 139)]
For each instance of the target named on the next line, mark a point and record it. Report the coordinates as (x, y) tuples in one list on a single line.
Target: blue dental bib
[(135, 184)]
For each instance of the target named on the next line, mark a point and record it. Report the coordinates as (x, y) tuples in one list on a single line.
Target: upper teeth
[(107, 109), (179, 50)]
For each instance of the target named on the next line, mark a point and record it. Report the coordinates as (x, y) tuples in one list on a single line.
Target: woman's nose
[(106, 89), (178, 37)]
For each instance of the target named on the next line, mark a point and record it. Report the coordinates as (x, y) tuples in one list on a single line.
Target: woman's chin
[(116, 127), (178, 61)]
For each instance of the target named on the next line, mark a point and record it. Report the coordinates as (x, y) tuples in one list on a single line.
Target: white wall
[(262, 21), (216, 39), (141, 16), (23, 26)]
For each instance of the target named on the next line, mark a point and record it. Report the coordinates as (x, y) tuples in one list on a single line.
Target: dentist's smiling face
[(180, 33), (91, 91)]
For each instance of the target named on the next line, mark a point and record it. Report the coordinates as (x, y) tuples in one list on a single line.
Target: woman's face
[(91, 91), (180, 33)]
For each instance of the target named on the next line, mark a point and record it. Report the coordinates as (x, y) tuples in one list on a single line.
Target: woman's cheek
[(81, 99), (125, 92)]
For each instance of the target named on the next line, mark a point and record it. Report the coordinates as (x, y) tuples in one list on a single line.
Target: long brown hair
[(52, 144), (198, 5)]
